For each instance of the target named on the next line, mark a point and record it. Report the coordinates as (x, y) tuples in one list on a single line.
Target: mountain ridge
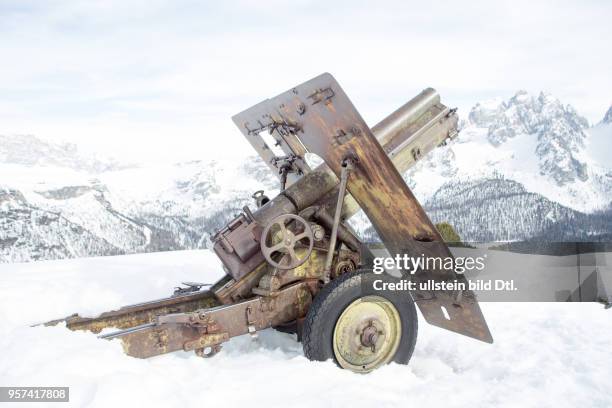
[(607, 119), (521, 168)]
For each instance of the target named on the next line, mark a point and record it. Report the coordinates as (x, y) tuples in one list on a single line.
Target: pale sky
[(160, 80)]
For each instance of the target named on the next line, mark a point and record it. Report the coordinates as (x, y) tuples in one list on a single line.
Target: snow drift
[(544, 355)]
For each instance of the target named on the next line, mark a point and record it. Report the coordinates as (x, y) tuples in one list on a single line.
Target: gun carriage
[(293, 263)]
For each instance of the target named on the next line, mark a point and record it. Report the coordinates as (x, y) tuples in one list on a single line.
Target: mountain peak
[(520, 96), (524, 114), (29, 150), (608, 116), (559, 130), (547, 98)]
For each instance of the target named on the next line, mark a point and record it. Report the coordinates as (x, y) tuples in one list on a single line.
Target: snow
[(554, 354), (599, 146), (40, 178)]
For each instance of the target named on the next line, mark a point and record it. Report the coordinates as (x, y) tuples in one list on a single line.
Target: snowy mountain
[(607, 117), (534, 140), (118, 212), (53, 209), (496, 209), (557, 130), (29, 150), (525, 168)]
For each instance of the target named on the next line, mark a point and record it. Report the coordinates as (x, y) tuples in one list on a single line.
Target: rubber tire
[(331, 301)]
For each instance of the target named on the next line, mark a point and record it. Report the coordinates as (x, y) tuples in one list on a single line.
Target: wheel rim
[(285, 241), (367, 334)]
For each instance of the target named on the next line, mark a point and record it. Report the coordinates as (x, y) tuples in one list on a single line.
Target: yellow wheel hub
[(367, 334)]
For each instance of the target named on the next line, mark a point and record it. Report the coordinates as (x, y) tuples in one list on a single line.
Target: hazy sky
[(161, 79)]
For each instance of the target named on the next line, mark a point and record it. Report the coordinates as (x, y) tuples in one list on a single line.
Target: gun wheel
[(367, 334), (360, 328)]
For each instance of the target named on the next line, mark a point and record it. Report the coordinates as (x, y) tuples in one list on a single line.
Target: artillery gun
[(293, 263)]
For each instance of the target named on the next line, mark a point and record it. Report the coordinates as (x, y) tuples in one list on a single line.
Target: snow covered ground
[(544, 355)]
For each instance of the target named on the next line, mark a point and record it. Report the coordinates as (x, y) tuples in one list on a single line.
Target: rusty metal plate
[(322, 118)]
